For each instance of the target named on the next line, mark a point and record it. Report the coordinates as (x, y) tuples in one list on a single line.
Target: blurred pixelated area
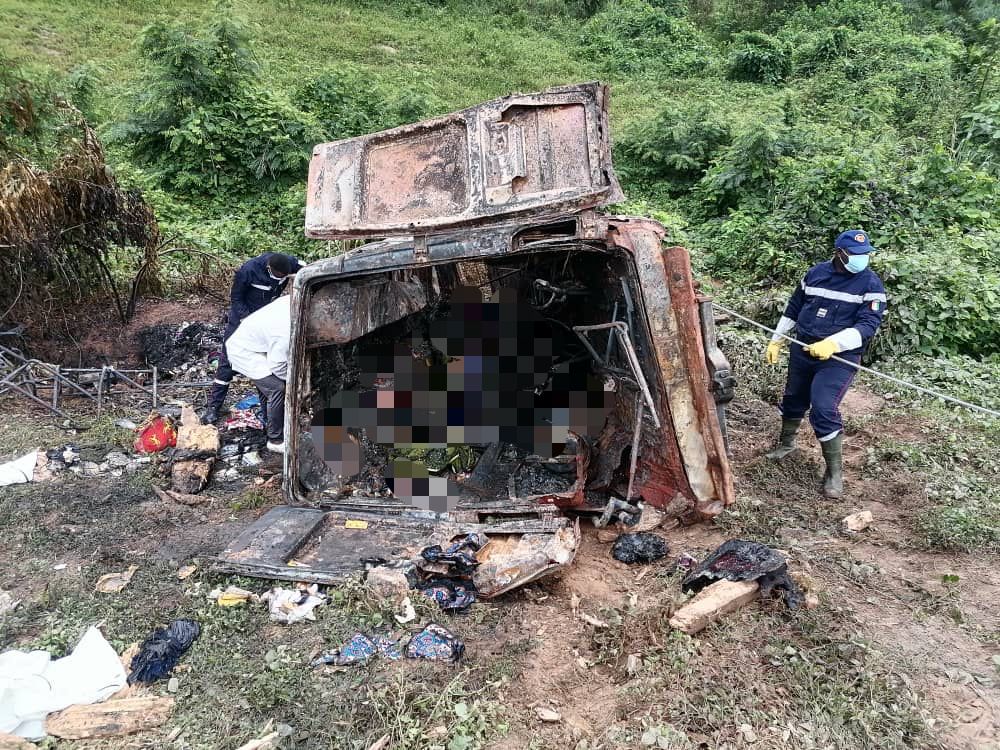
[(522, 378), (487, 368)]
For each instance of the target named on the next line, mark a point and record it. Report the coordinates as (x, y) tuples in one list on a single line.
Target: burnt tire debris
[(742, 560)]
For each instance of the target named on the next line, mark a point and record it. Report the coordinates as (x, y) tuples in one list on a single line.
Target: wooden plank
[(110, 719)]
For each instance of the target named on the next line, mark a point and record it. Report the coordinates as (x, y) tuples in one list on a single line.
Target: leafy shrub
[(348, 102), (635, 36), (678, 145), (759, 58), (202, 117)]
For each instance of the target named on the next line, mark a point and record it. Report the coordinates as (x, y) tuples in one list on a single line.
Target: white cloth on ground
[(32, 685)]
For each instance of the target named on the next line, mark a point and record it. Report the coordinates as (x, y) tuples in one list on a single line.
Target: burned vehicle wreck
[(506, 363)]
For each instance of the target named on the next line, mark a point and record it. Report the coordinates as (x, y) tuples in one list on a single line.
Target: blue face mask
[(856, 263)]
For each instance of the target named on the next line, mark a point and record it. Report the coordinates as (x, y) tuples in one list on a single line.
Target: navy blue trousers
[(820, 385)]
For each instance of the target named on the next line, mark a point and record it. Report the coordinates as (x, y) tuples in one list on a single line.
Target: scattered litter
[(32, 685), (547, 714), (383, 742), (436, 643), (20, 470), (685, 561), (449, 594), (197, 448), (60, 566), (7, 602), (243, 419), (408, 614), (126, 424), (173, 685), (858, 521), (459, 557), (740, 560), (112, 583), (249, 402), (113, 718), (591, 620), (232, 596), (633, 663), (713, 602), (156, 433), (251, 458), (289, 606), (640, 547), (186, 572), (161, 651), (359, 649)]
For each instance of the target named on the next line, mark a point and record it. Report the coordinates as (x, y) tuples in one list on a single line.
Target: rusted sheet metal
[(508, 562), (326, 546), (672, 311), (684, 306), (342, 311), (528, 155)]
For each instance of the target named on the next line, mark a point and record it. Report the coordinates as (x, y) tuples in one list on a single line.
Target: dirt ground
[(901, 652)]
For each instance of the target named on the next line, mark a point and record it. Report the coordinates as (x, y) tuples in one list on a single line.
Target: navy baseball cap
[(854, 241)]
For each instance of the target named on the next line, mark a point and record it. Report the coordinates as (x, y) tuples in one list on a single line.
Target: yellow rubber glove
[(823, 349), (773, 352)]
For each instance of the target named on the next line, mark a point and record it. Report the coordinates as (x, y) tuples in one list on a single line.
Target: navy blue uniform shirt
[(253, 287), (828, 301)]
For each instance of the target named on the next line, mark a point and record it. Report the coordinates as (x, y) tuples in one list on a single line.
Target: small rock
[(117, 459), (547, 714), (858, 521), (173, 685), (606, 536), (812, 601), (748, 734), (388, 583)]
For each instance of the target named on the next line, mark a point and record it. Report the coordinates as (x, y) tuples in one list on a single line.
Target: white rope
[(876, 373)]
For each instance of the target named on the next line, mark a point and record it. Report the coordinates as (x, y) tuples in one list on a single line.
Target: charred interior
[(525, 378)]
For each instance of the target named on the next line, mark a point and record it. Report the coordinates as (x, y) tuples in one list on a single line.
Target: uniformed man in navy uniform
[(836, 309), (258, 282)]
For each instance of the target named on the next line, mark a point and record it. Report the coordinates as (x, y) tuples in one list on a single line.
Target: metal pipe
[(155, 385), (639, 407), (100, 392), (631, 356)]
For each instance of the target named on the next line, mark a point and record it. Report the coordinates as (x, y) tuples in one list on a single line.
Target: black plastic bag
[(639, 547), (162, 650)]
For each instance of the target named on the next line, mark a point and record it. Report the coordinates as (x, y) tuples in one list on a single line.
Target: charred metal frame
[(680, 380)]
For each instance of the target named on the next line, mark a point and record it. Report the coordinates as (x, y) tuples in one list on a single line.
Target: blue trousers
[(820, 385)]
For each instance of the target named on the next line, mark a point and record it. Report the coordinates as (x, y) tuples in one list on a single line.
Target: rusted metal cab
[(506, 361)]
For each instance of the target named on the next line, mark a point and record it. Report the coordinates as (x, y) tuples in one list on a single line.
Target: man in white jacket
[(259, 350)]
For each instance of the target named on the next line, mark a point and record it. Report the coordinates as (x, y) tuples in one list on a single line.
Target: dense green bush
[(760, 58), (635, 36), (202, 116), (676, 146)]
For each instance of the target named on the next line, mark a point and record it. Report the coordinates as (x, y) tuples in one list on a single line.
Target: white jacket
[(259, 347)]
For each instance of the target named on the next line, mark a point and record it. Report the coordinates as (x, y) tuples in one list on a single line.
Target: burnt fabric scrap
[(459, 556), (360, 649), (162, 650), (436, 643), (741, 560), (449, 594), (639, 547)]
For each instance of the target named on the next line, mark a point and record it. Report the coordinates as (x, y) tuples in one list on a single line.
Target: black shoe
[(210, 415)]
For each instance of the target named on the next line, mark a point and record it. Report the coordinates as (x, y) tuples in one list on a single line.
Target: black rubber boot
[(833, 479), (786, 443)]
